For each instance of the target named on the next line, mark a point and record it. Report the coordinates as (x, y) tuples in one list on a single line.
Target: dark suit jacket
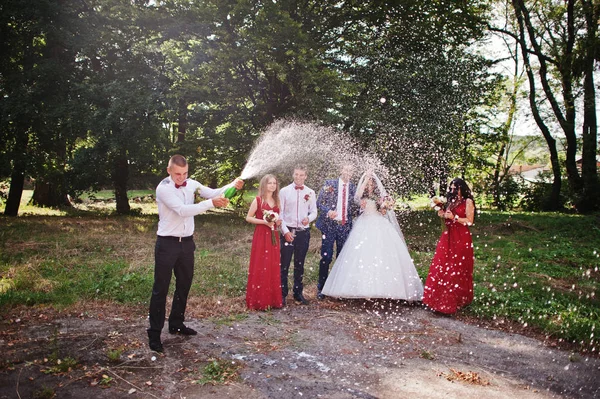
[(327, 201)]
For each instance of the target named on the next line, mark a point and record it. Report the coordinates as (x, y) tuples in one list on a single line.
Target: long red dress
[(449, 284), (264, 282)]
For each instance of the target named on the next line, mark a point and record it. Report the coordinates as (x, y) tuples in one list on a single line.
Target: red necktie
[(181, 185), (299, 187), (344, 205)]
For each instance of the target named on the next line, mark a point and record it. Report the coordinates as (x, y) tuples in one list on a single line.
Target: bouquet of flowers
[(386, 203), (271, 217), (328, 189), (439, 204)]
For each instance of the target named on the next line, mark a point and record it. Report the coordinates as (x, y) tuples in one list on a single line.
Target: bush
[(510, 193), (537, 196)]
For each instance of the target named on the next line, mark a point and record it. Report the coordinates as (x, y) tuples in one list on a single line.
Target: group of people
[(357, 220)]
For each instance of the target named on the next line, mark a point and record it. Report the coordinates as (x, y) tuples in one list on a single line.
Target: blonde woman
[(263, 290)]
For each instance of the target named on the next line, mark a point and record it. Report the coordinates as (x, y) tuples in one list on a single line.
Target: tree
[(30, 51), (562, 38), (418, 85), (125, 89), (239, 65)]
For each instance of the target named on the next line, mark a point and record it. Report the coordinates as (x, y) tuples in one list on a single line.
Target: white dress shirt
[(295, 206), (341, 200), (176, 208)]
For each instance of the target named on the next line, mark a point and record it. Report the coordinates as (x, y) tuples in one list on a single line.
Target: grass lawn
[(536, 272)]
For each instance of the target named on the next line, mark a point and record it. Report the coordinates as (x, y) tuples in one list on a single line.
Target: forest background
[(97, 94)]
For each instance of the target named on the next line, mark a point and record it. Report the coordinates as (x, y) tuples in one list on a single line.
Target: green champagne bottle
[(230, 192)]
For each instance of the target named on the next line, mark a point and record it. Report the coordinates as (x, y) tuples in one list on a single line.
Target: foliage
[(415, 120), (220, 371), (114, 355), (137, 81), (509, 193)]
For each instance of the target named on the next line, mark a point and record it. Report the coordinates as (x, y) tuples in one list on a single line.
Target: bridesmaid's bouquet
[(439, 204), (271, 217)]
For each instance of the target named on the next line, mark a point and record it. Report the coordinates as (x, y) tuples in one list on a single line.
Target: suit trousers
[(171, 257), (298, 249), (336, 234)]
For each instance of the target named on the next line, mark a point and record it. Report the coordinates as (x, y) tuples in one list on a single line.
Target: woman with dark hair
[(449, 285), (263, 290)]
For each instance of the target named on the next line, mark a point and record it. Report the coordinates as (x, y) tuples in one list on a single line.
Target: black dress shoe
[(300, 298), (156, 346), (283, 302), (183, 330), (320, 296)]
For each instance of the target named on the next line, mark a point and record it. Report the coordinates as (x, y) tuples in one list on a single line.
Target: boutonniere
[(306, 197), (328, 189)]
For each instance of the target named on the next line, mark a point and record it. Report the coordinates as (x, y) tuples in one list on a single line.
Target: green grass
[(541, 271), (536, 270)]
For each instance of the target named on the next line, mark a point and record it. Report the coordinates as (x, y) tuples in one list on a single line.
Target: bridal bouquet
[(386, 203), (271, 217)]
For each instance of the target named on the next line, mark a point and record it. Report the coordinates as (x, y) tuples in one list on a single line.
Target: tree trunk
[(553, 203), (589, 169), (49, 194), (568, 122), (183, 122), (17, 182), (497, 178), (17, 178), (120, 179)]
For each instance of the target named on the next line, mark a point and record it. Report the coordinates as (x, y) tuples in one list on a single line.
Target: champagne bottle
[(230, 192)]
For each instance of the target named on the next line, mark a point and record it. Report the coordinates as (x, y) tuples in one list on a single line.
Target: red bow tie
[(299, 187), (181, 185)]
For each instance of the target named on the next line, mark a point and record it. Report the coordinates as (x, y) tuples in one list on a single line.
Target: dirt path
[(329, 349)]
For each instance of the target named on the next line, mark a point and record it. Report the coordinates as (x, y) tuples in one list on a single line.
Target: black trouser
[(171, 256), (298, 249)]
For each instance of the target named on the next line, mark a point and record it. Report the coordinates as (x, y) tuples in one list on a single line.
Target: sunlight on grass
[(536, 270)]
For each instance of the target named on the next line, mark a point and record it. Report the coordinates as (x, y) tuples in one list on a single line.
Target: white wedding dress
[(374, 262)]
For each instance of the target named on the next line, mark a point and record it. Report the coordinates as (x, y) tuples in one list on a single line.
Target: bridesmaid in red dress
[(264, 282), (449, 285)]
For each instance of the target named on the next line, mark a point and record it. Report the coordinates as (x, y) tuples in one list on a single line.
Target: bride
[(374, 262)]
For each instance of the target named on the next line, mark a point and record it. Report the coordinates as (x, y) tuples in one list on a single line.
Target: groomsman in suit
[(298, 209), (336, 207)]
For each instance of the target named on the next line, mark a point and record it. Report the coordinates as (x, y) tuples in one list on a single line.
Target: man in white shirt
[(336, 210), (174, 250), (298, 209)]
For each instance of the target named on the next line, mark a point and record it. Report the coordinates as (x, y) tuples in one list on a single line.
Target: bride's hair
[(262, 188)]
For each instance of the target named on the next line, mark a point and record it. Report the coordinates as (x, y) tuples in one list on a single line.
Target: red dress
[(449, 284), (264, 282)]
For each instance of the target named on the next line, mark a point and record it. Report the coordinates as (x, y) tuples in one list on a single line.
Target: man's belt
[(180, 239), (297, 229)]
